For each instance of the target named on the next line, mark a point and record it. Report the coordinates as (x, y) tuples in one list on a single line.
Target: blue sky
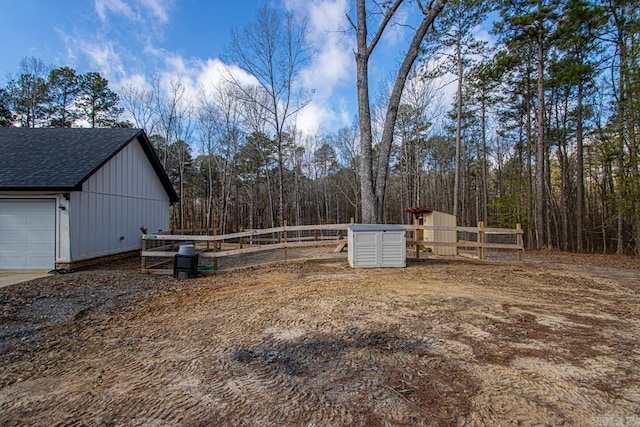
[(128, 41)]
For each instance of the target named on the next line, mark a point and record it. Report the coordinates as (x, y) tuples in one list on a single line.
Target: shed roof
[(62, 159), (418, 210), (376, 227)]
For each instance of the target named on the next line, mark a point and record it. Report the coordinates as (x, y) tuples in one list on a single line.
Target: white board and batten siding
[(122, 196), (374, 246)]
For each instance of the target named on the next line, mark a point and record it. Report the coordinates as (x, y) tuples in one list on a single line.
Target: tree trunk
[(579, 173), (485, 183), (280, 183), (373, 197), (529, 150), (540, 147), (394, 102), (364, 118), (456, 181)]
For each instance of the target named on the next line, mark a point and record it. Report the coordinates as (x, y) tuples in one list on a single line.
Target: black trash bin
[(185, 263)]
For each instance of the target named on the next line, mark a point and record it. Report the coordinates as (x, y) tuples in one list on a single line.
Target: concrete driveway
[(11, 277)]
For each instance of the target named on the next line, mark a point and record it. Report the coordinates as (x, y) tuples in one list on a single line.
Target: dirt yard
[(553, 340)]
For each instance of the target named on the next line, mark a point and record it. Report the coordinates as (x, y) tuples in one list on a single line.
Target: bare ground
[(553, 340)]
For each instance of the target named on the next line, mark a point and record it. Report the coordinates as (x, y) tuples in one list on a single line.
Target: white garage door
[(27, 234)]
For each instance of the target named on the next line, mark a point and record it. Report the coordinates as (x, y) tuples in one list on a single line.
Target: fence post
[(519, 241), (481, 239), (284, 234), (143, 259), (417, 235), (215, 258), (241, 239)]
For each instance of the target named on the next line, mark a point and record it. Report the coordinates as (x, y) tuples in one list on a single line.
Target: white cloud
[(326, 15), (313, 117), (199, 78), (118, 7), (213, 72), (150, 49), (175, 63), (481, 33), (103, 56), (159, 8), (138, 81), (196, 77), (333, 65), (331, 70)]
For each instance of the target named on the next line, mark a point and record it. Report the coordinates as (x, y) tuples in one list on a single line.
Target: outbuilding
[(442, 231), (68, 195), (376, 245)]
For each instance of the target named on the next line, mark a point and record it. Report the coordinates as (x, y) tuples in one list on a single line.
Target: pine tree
[(63, 88), (98, 103)]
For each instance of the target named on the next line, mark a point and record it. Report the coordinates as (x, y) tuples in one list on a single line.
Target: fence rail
[(159, 249)]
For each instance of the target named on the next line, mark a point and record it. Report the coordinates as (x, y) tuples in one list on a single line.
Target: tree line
[(541, 130), (42, 96)]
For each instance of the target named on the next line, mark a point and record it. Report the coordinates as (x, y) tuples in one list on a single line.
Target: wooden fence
[(159, 249)]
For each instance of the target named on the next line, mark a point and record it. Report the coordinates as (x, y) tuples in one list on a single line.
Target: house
[(71, 195)]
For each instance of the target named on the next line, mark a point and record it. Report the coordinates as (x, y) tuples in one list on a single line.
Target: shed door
[(366, 248), (393, 249), (27, 234)]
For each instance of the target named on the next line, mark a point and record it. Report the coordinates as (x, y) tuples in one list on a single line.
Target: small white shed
[(377, 245)]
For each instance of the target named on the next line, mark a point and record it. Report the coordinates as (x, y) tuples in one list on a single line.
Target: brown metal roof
[(418, 210)]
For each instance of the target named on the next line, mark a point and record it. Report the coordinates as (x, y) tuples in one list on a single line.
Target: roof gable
[(61, 159)]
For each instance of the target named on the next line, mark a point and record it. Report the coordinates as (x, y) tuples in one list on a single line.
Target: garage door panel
[(12, 234), (10, 220), (37, 233), (37, 222), (34, 249), (39, 261), (11, 262), (27, 234)]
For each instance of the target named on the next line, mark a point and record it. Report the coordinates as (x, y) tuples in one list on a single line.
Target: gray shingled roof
[(61, 159)]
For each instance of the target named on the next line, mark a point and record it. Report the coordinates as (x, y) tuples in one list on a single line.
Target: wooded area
[(543, 128)]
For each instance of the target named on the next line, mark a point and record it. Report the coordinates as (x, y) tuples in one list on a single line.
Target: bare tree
[(255, 117), (273, 49), (138, 104), (28, 92), (421, 105), (175, 124), (180, 152), (169, 105), (219, 120), (346, 143), (373, 196)]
